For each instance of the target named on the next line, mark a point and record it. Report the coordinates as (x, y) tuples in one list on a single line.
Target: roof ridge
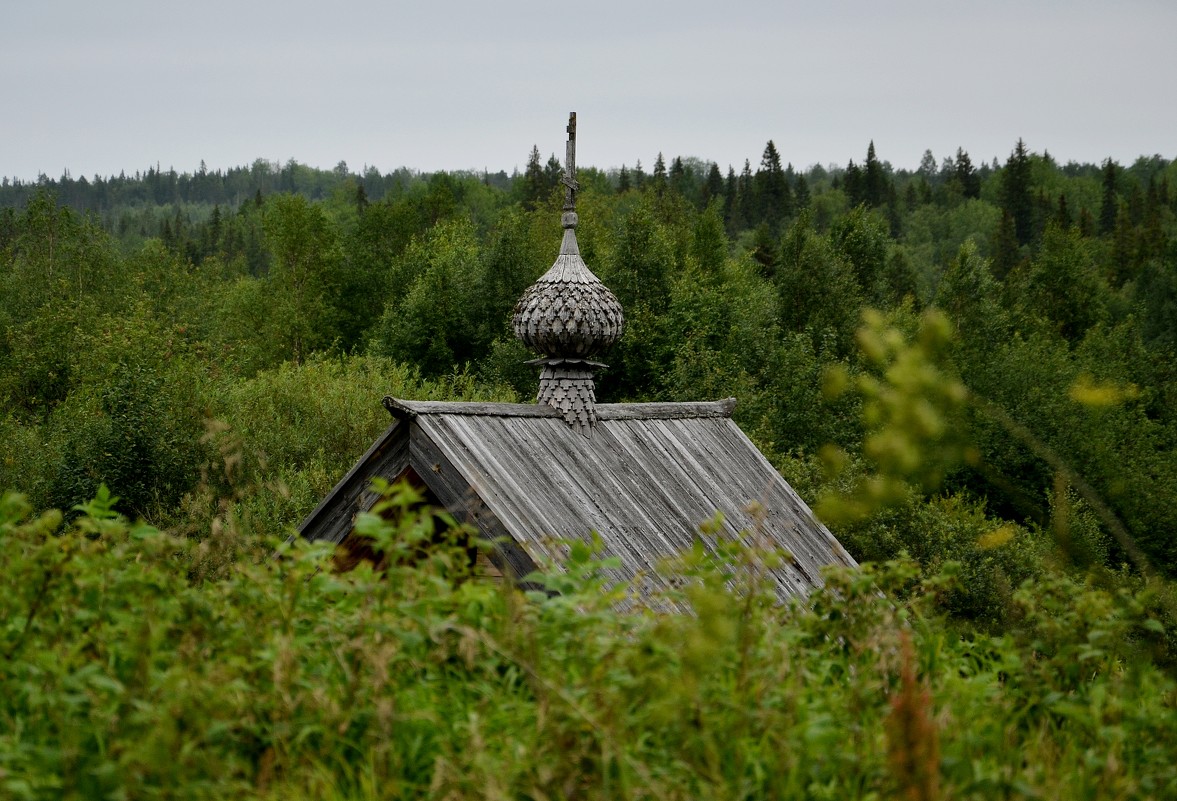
[(406, 409)]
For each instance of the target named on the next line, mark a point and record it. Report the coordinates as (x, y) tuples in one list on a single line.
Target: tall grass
[(124, 674)]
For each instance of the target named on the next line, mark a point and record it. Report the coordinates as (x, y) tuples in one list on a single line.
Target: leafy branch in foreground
[(283, 679)]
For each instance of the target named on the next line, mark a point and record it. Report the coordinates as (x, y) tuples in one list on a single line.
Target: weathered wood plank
[(665, 411), (464, 503), (403, 409), (332, 518)]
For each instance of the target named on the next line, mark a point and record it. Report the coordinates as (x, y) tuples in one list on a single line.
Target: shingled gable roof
[(644, 476), (644, 481)]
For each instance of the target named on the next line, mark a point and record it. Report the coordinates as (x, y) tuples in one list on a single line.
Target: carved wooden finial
[(569, 316)]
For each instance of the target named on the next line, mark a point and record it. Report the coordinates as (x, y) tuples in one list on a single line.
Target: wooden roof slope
[(644, 480)]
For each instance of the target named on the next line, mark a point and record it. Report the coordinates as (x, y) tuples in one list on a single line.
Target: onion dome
[(569, 316), (568, 313)]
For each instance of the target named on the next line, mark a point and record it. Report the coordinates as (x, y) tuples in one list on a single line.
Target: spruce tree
[(911, 198), (853, 184), (927, 168), (1062, 213), (801, 193), (659, 176), (623, 180), (534, 180), (1016, 199), (1125, 261), (1135, 204), (678, 177), (730, 193), (745, 200), (970, 182), (713, 186), (874, 179), (1110, 207), (1086, 223), (553, 172), (1153, 239), (771, 188), (1006, 254)]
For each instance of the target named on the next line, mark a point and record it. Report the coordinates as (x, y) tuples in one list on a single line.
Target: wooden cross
[(571, 187)]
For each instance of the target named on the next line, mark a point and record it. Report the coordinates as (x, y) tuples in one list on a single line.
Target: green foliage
[(912, 405), (432, 320), (125, 435), (210, 379), (934, 236), (819, 289), (1062, 286), (861, 239), (301, 285), (125, 677), (1015, 192)]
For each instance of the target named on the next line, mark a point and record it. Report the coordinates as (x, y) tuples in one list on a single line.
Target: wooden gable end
[(403, 450)]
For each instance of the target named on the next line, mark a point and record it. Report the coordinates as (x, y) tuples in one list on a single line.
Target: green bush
[(123, 676)]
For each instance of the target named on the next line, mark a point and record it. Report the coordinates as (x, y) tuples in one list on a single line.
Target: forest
[(969, 371)]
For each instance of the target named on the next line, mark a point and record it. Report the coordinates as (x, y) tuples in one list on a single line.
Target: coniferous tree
[(764, 250), (1153, 239), (1135, 204), (852, 182), (730, 193), (970, 182), (893, 217), (771, 188), (911, 198), (659, 176), (1006, 254), (713, 186), (623, 184), (1109, 209), (1125, 252), (874, 179), (534, 180), (1016, 199), (1086, 223), (927, 168), (553, 172), (801, 193), (1044, 211), (1062, 214), (678, 177), (745, 198)]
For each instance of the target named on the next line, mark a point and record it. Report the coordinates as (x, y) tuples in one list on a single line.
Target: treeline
[(230, 187), (285, 315), (1128, 202), (975, 367)]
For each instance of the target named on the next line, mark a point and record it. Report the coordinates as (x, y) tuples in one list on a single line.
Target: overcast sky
[(99, 87)]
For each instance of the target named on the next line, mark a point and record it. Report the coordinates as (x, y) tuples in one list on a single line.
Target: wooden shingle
[(645, 481)]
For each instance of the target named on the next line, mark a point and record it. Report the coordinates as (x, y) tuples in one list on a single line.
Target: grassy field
[(135, 664)]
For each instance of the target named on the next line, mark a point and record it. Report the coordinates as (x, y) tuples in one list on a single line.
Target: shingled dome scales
[(570, 317)]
